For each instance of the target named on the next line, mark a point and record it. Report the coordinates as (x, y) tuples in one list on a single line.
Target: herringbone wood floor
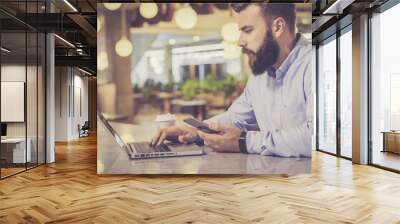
[(70, 191)]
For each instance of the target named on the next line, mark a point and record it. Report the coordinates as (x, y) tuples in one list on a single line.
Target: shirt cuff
[(257, 142)]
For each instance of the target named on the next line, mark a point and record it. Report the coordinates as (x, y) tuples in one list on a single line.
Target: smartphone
[(200, 126)]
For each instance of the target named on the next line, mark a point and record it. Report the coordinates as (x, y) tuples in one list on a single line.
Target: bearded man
[(274, 114)]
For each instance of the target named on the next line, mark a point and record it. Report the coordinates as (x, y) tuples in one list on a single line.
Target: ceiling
[(330, 15), (76, 24), (79, 27)]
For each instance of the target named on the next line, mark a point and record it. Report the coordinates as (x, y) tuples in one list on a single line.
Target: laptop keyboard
[(144, 147)]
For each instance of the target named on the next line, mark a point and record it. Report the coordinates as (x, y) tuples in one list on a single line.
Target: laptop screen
[(111, 129)]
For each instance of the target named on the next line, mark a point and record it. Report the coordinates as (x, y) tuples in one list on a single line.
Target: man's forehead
[(248, 16)]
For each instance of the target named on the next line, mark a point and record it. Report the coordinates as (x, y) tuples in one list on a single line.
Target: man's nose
[(241, 41)]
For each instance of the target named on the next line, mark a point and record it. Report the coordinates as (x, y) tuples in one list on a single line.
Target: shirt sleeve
[(291, 142), (240, 113)]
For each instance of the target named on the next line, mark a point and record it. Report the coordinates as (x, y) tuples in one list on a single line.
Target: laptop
[(143, 150)]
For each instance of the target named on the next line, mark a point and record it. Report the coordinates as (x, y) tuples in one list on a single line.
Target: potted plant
[(189, 89)]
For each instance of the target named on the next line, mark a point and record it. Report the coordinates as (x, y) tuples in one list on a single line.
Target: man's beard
[(265, 57)]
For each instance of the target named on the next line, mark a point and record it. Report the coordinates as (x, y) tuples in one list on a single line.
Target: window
[(346, 94), (385, 85), (22, 75), (314, 74), (327, 96)]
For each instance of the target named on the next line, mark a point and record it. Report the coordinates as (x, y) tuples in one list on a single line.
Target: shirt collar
[(293, 55)]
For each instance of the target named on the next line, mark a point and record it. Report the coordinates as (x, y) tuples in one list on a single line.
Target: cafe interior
[(176, 58)]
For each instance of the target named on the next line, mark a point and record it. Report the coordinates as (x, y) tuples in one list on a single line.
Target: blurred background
[(175, 58)]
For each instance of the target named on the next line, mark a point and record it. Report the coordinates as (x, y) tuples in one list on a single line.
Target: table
[(167, 97), (391, 141), (198, 107), (17, 150), (111, 159)]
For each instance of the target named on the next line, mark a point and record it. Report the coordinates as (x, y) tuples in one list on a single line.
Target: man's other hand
[(226, 141)]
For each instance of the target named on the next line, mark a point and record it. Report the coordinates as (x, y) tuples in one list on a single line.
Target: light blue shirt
[(277, 112)]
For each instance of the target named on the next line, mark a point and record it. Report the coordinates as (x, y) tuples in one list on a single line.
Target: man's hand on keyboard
[(181, 133)]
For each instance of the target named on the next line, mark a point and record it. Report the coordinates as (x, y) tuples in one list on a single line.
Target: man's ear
[(278, 26)]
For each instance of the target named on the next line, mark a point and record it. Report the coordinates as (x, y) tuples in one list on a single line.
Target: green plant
[(149, 86), (228, 85), (158, 86), (136, 88), (210, 84), (169, 87), (189, 89)]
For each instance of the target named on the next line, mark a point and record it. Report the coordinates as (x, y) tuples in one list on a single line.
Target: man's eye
[(248, 30)]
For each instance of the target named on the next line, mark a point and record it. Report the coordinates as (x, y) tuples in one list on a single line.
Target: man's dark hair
[(272, 11)]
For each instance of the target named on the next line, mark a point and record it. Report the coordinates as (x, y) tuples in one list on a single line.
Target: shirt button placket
[(281, 102)]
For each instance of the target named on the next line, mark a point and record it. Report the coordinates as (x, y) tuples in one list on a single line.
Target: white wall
[(12, 100), (13, 72), (33, 126), (61, 103), (71, 93), (16, 73), (80, 96)]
